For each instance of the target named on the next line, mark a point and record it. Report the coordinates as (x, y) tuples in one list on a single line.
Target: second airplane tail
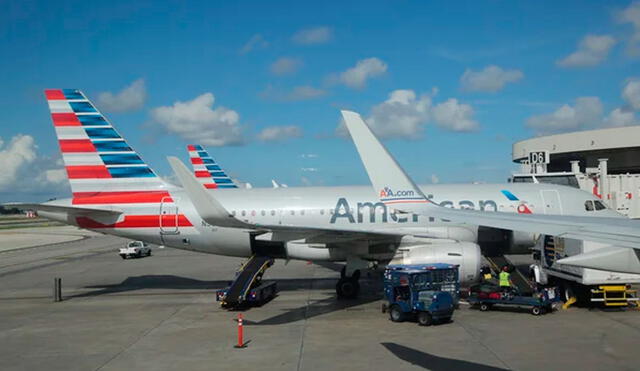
[(208, 172)]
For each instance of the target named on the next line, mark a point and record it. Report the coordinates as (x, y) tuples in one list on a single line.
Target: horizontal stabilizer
[(210, 210), (71, 210), (616, 259)]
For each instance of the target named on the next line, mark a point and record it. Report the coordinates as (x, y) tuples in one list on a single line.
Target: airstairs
[(247, 277)]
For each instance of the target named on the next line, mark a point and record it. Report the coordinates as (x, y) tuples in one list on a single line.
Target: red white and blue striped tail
[(101, 166), (208, 172)]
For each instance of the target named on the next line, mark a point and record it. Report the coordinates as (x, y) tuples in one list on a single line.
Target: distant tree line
[(9, 211)]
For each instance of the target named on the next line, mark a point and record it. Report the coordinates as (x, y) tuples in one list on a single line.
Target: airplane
[(210, 174), (620, 237), (115, 192)]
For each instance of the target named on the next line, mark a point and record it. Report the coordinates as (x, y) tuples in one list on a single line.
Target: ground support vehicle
[(247, 288), (416, 291), (135, 249), (576, 284), (487, 295)]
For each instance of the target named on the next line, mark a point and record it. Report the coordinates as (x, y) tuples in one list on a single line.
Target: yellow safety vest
[(504, 279)]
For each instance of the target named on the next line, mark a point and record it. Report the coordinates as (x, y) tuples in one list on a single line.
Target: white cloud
[(586, 113), (298, 93), (491, 79), (20, 151), (285, 66), (455, 116), (197, 121), (356, 77), (405, 114), (130, 98), (434, 179), (310, 169), (279, 133), (402, 115), (314, 35), (621, 117), (592, 50), (631, 15), (631, 93), (23, 171), (256, 41)]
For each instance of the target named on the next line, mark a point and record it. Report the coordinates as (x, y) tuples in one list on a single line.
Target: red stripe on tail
[(54, 94), (203, 174), (211, 186), (133, 197), (65, 119), (88, 172), (196, 161), (76, 145)]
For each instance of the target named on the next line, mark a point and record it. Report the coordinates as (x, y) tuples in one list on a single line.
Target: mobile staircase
[(247, 287)]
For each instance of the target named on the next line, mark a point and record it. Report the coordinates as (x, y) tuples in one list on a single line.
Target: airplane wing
[(397, 189), (71, 210)]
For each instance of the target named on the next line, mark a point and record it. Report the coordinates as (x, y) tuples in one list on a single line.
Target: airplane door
[(168, 217), (551, 202)]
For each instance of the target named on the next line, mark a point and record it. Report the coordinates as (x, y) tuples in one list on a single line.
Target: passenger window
[(293, 212), (263, 213), (273, 212), (599, 205), (321, 211), (588, 205), (253, 213), (244, 213), (301, 212), (233, 213)]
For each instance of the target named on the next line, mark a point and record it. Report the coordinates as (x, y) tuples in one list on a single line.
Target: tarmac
[(160, 313)]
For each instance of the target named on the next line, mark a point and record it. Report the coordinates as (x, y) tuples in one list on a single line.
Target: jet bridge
[(247, 278)]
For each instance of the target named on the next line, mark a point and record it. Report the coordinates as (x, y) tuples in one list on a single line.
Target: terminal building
[(605, 162)]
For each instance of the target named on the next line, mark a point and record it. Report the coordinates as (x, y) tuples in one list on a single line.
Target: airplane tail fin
[(208, 172), (391, 182), (102, 168)]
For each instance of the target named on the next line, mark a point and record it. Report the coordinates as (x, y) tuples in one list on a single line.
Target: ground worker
[(505, 279)]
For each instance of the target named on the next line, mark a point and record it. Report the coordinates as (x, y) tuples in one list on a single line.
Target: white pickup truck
[(135, 249)]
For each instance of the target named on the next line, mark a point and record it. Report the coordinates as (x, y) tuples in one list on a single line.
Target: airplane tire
[(484, 307), (396, 314), (347, 288)]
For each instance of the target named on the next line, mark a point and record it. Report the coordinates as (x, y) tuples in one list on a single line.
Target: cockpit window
[(599, 205), (588, 205)]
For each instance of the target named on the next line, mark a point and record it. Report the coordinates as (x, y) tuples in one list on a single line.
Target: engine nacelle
[(315, 252), (465, 254)]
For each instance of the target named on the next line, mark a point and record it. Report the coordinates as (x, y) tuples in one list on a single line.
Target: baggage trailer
[(486, 296), (576, 284)]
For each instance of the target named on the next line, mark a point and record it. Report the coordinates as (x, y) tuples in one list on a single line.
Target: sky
[(448, 86)]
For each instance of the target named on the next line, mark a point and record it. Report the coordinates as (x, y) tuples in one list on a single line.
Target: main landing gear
[(348, 287)]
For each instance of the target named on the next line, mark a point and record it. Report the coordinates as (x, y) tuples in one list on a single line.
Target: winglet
[(389, 180), (210, 210)]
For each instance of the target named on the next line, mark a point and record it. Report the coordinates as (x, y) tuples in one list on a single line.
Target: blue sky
[(449, 85)]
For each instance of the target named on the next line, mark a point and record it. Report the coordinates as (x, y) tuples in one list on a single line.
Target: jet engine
[(465, 254)]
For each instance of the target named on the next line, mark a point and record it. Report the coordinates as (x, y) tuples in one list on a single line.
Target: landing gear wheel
[(347, 288), (425, 319), (396, 314), (536, 311), (484, 307)]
